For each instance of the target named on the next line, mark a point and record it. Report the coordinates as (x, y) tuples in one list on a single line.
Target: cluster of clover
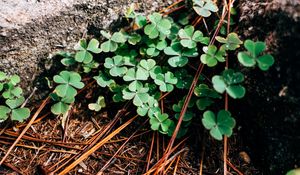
[(152, 59)]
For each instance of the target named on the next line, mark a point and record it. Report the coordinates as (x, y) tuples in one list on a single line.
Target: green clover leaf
[(229, 81), (184, 79), (220, 125), (4, 113), (17, 113), (68, 82), (166, 81), (20, 114), (103, 80), (100, 103), (206, 96), (189, 37), (204, 7), (150, 107), (3, 76), (134, 38), (63, 104), (60, 108), (159, 26), (111, 44), (116, 66), (254, 55), (137, 92), (68, 58), (160, 122), (154, 47), (84, 50), (11, 91), (212, 56), (179, 54), (231, 42), (117, 90)]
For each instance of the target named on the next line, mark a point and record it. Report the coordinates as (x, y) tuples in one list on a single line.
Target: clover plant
[(66, 90), (160, 122), (98, 105), (219, 125), (85, 50), (212, 55), (189, 37), (155, 58), (254, 55), (230, 82), (12, 97), (231, 42), (204, 7), (159, 26), (111, 44)]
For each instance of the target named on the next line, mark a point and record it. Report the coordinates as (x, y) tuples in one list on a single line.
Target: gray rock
[(32, 30)]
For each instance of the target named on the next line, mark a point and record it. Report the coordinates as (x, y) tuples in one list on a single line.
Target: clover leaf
[(160, 122), (220, 125), (98, 105), (117, 90), (111, 44), (116, 66), (231, 42), (3, 76), (184, 79), (11, 91), (134, 38), (63, 103), (17, 113), (229, 81), (145, 67), (4, 113), (154, 47), (204, 7), (179, 54), (206, 96), (139, 19), (136, 92), (166, 81), (212, 55), (189, 37), (178, 107), (150, 107), (254, 55), (159, 26), (84, 50), (141, 72), (103, 80), (68, 82), (68, 58)]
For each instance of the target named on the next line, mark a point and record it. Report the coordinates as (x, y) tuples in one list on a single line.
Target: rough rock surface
[(271, 109), (31, 31)]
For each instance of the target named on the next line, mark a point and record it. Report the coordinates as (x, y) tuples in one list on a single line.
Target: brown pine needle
[(172, 5), (234, 168), (150, 152), (176, 166), (26, 128), (97, 146)]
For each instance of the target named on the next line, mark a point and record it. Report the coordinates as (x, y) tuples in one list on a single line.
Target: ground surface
[(270, 112), (269, 120)]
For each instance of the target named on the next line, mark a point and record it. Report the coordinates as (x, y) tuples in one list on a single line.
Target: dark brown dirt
[(270, 112)]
